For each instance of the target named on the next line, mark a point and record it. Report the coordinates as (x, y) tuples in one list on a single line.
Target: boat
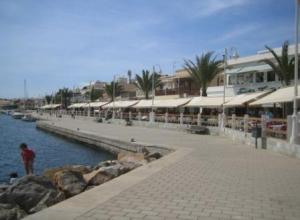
[(28, 118), (17, 115)]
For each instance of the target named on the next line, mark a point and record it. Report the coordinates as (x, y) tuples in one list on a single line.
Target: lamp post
[(224, 88), (114, 93), (294, 133)]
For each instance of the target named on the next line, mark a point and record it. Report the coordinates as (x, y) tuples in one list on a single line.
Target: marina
[(48, 148)]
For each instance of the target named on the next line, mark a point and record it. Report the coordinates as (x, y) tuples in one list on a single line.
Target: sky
[(68, 43)]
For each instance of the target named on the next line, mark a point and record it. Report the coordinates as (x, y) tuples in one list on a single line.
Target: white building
[(249, 74)]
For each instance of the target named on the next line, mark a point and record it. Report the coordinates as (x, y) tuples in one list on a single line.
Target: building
[(250, 74), (183, 85)]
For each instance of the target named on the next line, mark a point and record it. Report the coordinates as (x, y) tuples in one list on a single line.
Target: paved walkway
[(208, 177)]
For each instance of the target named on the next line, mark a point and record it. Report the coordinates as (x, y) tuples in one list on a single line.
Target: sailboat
[(26, 116)]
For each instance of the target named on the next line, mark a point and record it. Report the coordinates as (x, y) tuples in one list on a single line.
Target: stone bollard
[(246, 121), (130, 116), (263, 132), (139, 116), (181, 118), (166, 117), (199, 122), (233, 122), (113, 114)]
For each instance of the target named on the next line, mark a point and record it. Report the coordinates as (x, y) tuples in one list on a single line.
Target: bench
[(196, 129)]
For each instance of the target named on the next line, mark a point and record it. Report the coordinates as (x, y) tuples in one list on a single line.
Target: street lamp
[(224, 87), (294, 133)]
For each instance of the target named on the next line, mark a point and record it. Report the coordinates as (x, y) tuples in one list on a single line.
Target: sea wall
[(113, 146)]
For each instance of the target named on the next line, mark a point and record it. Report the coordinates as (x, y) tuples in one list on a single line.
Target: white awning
[(279, 96), (245, 98), (50, 106), (162, 103), (94, 104), (208, 102), (246, 69), (77, 105), (121, 104)]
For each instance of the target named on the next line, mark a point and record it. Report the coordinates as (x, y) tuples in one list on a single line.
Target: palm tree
[(144, 82), (63, 96), (93, 94), (204, 70), (283, 66), (109, 89)]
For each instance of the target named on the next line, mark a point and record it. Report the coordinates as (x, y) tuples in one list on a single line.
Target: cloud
[(237, 32), (214, 6), (205, 8)]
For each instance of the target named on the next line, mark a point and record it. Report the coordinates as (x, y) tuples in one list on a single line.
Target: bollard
[(199, 122)]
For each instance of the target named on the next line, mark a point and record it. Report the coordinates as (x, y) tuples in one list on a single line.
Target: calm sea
[(51, 150)]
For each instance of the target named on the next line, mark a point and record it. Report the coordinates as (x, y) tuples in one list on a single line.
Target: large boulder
[(96, 177), (138, 158), (49, 173), (11, 212), (69, 182), (32, 193)]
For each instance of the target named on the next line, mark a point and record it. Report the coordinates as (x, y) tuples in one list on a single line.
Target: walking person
[(28, 158)]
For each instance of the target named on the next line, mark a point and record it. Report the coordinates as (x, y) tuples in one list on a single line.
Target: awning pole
[(294, 133)]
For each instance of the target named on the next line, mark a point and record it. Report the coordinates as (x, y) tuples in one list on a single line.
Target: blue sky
[(66, 43)]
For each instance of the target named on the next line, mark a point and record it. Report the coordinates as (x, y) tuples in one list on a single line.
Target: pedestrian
[(28, 158)]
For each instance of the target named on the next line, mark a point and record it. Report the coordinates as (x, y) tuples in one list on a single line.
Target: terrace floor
[(207, 177)]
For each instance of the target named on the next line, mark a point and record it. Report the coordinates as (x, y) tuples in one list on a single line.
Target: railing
[(210, 120), (277, 128)]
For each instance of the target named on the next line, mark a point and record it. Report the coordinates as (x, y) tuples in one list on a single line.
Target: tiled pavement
[(217, 180)]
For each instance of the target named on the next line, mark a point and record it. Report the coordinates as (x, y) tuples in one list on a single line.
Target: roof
[(121, 104), (259, 56), (245, 98), (208, 102), (162, 103), (279, 96), (77, 105), (260, 68), (50, 106)]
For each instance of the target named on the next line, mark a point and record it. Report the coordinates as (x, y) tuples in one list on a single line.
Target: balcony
[(182, 92)]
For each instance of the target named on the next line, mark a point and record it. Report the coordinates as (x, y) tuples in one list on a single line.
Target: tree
[(63, 96), (204, 70), (93, 94), (283, 66), (144, 82), (48, 99), (109, 89)]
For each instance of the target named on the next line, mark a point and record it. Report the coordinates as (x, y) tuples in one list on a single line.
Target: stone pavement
[(207, 177)]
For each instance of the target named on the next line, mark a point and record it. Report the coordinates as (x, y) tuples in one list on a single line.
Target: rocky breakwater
[(31, 194)]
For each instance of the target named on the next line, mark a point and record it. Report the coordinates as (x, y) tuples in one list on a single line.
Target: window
[(259, 77), (270, 76), (231, 80), (249, 78), (240, 79)]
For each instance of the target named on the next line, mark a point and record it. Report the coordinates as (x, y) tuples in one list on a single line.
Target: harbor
[(13, 132)]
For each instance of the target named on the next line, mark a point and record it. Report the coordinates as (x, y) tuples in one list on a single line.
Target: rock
[(153, 156), (130, 165), (3, 187), (96, 177), (69, 182), (138, 158), (31, 191), (11, 212), (105, 164), (49, 173)]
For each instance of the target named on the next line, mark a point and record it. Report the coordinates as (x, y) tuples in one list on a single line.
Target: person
[(13, 177), (28, 158)]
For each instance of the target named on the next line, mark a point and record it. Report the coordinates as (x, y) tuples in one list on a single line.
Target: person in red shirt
[(28, 158)]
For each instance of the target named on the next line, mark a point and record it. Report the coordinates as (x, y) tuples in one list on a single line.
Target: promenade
[(207, 177)]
